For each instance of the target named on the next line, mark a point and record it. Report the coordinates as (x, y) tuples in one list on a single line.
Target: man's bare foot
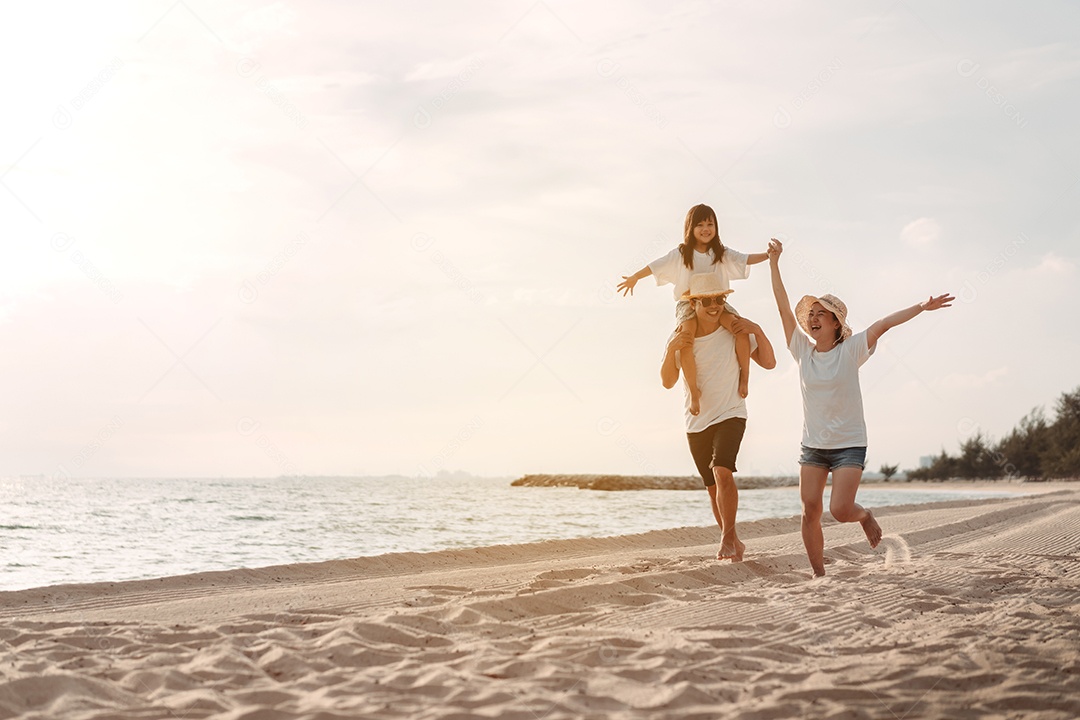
[(731, 551), (872, 529), (695, 401), (819, 572)]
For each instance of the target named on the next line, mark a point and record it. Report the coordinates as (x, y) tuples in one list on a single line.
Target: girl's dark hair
[(697, 214)]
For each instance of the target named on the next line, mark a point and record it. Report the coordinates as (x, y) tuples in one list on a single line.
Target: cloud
[(1039, 66), (1053, 265), (974, 380), (921, 232), (445, 69)]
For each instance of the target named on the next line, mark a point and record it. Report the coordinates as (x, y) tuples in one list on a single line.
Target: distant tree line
[(1035, 450)]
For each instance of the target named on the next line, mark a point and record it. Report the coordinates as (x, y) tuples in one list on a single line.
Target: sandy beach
[(967, 609)]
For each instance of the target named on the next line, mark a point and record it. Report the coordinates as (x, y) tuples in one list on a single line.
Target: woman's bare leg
[(689, 366), (842, 505), (811, 493)]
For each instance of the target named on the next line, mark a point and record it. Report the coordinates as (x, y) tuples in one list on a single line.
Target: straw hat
[(831, 303), (705, 285)]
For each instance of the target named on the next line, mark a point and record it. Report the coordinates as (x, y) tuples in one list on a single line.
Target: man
[(716, 432)]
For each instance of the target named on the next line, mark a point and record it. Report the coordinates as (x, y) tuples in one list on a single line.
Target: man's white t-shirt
[(831, 396), (672, 269), (718, 380)]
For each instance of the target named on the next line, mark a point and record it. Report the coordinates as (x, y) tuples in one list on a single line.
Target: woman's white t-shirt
[(672, 269), (831, 396)]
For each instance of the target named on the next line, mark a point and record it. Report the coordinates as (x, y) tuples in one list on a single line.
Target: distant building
[(926, 461)]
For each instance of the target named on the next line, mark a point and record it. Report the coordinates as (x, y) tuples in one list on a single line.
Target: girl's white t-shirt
[(831, 396), (672, 269)]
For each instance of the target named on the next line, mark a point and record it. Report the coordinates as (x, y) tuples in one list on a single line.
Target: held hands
[(627, 285), (775, 249), (941, 301)]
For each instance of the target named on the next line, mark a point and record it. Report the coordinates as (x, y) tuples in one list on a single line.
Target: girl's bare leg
[(742, 352), (689, 366)]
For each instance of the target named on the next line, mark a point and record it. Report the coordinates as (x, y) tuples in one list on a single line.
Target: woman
[(834, 431)]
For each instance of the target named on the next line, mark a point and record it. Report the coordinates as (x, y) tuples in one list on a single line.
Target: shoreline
[(56, 597), (225, 573), (618, 483), (361, 560)]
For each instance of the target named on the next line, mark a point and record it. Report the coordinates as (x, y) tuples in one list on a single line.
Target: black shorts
[(716, 446)]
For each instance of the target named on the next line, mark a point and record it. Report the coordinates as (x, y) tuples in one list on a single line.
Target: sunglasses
[(707, 301)]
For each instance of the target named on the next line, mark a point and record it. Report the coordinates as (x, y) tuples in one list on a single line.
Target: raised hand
[(775, 249), (941, 301)]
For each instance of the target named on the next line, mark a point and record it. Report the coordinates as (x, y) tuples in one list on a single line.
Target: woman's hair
[(697, 214), (839, 329)]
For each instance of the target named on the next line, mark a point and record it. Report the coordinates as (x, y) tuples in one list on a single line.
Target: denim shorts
[(832, 459)]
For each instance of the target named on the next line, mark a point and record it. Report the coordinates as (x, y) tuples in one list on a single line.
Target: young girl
[(701, 252), (834, 431)]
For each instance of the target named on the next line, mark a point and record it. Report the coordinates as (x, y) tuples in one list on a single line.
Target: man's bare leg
[(811, 491), (726, 506), (843, 507)]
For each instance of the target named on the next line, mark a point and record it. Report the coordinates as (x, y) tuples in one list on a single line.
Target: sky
[(331, 238)]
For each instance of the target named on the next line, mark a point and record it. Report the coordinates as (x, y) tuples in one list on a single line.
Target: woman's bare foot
[(731, 551), (872, 529)]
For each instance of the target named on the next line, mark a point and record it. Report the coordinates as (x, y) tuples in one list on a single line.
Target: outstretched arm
[(899, 317), (755, 258), (669, 370), (629, 281), (779, 292)]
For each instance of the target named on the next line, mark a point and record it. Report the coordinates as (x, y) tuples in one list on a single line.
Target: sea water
[(58, 531)]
